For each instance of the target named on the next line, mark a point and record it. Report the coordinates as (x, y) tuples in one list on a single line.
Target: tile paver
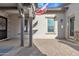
[(30, 51), (53, 47), (49, 47), (6, 45)]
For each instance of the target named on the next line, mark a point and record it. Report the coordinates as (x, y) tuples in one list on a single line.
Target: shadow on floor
[(70, 43), (30, 51), (5, 49)]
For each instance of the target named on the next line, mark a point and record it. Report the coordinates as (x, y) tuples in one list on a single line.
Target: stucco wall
[(42, 27), (2, 13), (72, 11), (13, 26)]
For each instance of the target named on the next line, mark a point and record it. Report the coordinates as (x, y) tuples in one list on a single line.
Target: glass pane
[(51, 23)]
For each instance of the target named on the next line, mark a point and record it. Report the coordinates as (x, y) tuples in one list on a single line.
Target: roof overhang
[(11, 8)]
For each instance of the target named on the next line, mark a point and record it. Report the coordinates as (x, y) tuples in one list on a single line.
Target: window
[(51, 24)]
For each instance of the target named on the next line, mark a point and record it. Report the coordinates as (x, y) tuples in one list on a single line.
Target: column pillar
[(30, 31), (22, 18), (31, 16)]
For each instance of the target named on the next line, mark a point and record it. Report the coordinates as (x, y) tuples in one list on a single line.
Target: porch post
[(21, 12), (30, 31), (31, 15)]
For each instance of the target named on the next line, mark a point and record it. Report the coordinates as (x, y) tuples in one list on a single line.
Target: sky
[(50, 5)]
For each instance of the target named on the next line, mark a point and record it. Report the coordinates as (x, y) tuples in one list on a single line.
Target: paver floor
[(13, 42), (30, 51), (53, 47), (10, 44)]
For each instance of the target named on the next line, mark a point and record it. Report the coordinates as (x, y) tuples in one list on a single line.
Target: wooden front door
[(3, 27)]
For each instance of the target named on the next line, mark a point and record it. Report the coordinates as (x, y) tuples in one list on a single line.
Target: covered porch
[(16, 24)]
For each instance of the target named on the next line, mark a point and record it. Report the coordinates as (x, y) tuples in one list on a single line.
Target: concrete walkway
[(14, 42), (53, 47), (24, 51), (47, 47), (30, 51)]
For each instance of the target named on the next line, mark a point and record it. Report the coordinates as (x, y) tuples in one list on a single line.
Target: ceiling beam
[(53, 11), (8, 8), (13, 7)]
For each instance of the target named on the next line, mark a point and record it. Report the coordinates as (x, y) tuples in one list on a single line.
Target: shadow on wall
[(60, 38), (35, 24), (34, 31), (61, 29)]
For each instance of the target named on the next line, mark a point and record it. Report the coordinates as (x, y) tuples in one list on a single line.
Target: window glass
[(51, 24)]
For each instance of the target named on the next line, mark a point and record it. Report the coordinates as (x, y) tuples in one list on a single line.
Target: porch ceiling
[(7, 4), (11, 8)]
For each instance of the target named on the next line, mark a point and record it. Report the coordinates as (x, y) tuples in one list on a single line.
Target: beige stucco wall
[(13, 26), (2, 13), (72, 11), (42, 27)]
